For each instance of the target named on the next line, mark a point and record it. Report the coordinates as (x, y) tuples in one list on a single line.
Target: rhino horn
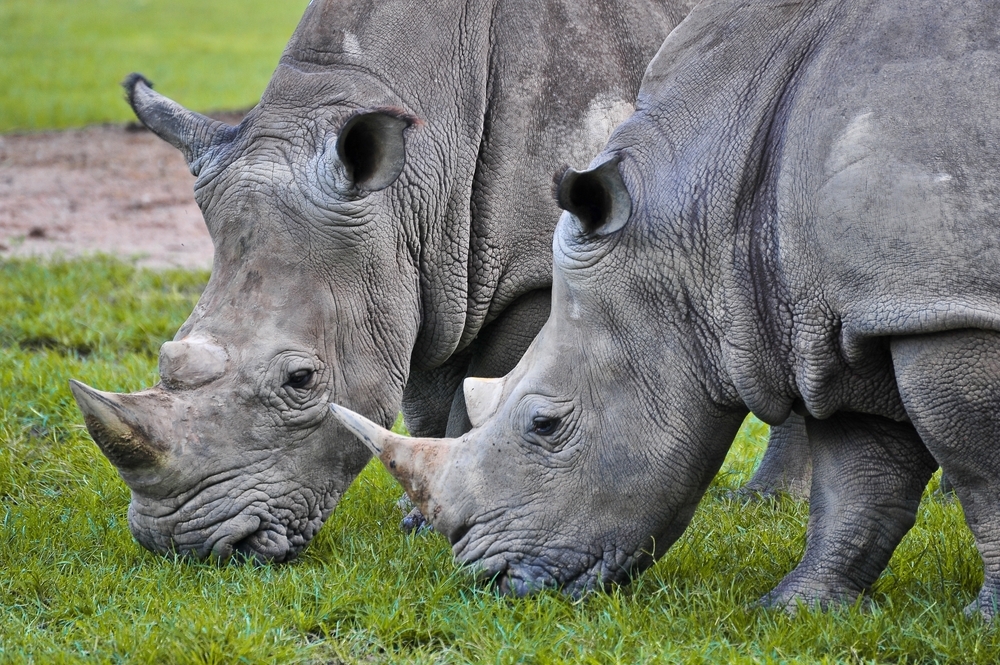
[(191, 362), (482, 397), (114, 429), (191, 133), (414, 462)]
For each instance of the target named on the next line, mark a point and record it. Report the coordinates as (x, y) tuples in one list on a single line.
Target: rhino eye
[(299, 378), (543, 426)]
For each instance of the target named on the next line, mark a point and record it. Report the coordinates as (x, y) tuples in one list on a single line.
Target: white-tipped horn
[(417, 463), (482, 397), (374, 436)]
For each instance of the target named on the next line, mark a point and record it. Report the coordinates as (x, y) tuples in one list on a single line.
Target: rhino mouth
[(259, 534), (249, 539), (271, 543), (520, 583), (526, 579), (497, 564), (232, 540), (519, 575)]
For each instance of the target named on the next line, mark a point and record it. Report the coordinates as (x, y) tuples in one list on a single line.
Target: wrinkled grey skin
[(803, 213), (382, 223)]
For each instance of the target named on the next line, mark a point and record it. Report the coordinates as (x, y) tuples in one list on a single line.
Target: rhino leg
[(868, 475), (950, 385), (787, 465)]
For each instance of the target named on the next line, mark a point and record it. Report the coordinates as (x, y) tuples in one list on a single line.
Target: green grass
[(61, 60), (75, 587)]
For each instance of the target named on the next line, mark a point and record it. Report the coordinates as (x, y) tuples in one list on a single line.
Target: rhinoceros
[(802, 215), (381, 223)]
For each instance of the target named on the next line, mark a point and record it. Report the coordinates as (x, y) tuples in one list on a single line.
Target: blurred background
[(99, 186), (61, 60)]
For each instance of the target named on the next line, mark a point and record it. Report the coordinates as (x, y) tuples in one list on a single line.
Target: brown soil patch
[(114, 189)]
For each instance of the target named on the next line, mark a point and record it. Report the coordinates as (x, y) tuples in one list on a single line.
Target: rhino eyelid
[(299, 379), (544, 426)]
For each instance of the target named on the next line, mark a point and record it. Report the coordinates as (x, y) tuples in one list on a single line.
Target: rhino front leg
[(787, 465), (950, 385), (868, 476)]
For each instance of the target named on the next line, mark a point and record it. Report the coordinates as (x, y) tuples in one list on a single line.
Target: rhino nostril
[(245, 552), (239, 530), (458, 533)]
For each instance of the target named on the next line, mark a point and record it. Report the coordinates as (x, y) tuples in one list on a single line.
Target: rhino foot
[(414, 521), (791, 595), (986, 605)]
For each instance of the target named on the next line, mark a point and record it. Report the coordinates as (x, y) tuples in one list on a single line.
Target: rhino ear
[(598, 198), (371, 147), (482, 397), (191, 133)]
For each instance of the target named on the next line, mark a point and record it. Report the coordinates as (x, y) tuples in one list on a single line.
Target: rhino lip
[(519, 580), (525, 578), (247, 538), (266, 545), (230, 538), (510, 582)]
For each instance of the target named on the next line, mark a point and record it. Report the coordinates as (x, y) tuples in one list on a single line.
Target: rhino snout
[(272, 531)]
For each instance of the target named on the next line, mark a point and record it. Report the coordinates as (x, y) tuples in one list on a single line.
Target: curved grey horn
[(191, 133), (113, 429)]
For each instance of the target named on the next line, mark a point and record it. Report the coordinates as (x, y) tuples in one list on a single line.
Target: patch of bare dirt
[(115, 189)]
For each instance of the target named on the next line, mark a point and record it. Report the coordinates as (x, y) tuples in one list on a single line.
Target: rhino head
[(587, 461), (313, 297)]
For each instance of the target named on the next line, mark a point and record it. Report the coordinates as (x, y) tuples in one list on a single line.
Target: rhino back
[(887, 213), (843, 154), (893, 146)]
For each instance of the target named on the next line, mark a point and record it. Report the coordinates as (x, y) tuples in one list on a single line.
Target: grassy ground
[(75, 587), (61, 60)]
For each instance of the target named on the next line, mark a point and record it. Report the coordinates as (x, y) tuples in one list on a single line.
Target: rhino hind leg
[(868, 476), (950, 385), (786, 467)]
